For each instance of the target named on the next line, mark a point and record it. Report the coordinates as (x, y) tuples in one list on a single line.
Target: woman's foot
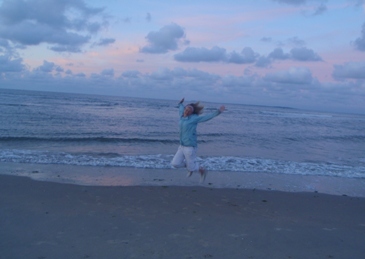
[(203, 173), (189, 173)]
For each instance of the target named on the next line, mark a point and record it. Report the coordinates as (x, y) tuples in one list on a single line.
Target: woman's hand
[(182, 100), (222, 108)]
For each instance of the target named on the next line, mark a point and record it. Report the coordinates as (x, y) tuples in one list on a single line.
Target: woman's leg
[(191, 163), (179, 160), (190, 158)]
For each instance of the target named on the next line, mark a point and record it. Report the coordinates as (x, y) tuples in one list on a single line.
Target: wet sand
[(52, 220)]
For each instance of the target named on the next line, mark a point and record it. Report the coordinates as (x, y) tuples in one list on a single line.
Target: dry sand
[(40, 220)]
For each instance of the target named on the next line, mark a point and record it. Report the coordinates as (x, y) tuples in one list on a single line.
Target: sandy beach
[(51, 220)]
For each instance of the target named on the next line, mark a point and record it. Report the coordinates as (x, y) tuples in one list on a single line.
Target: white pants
[(186, 157)]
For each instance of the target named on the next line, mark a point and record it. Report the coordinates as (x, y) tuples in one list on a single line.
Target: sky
[(307, 54)]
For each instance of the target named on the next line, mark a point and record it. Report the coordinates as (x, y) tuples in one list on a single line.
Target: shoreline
[(51, 220), (122, 176)]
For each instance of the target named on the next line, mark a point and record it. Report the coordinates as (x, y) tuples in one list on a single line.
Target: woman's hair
[(198, 109)]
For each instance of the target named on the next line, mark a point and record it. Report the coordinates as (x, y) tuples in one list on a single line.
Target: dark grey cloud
[(161, 75), (48, 67), (108, 72), (164, 40), (190, 54), (131, 74), (304, 54), (350, 70), (237, 82), (32, 22), (297, 75), (278, 53), (360, 42), (105, 41), (59, 69), (179, 80), (62, 48), (80, 75), (28, 34), (298, 54), (10, 64), (263, 62), (246, 56), (104, 77), (216, 54)]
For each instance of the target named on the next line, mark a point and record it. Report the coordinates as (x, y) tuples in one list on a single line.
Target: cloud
[(4, 45), (80, 75), (263, 62), (360, 42), (28, 34), (350, 70), (357, 3), (246, 56), (320, 10), (237, 82), (295, 41), (278, 53), (64, 24), (164, 40), (105, 41), (108, 72), (131, 74), (168, 82), (296, 75), (298, 54), (127, 20), (266, 39), (216, 54), (190, 54), (304, 54), (148, 17), (11, 64), (61, 48), (294, 87), (47, 66), (291, 2)]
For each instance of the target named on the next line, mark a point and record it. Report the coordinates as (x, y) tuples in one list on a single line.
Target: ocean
[(94, 131)]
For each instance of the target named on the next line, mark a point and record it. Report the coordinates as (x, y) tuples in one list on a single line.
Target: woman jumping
[(186, 153)]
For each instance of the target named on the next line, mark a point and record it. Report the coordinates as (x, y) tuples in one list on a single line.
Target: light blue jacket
[(188, 126)]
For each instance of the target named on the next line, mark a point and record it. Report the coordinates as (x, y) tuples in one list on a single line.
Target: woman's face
[(188, 111)]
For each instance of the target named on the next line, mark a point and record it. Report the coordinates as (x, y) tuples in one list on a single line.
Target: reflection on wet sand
[(117, 176)]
